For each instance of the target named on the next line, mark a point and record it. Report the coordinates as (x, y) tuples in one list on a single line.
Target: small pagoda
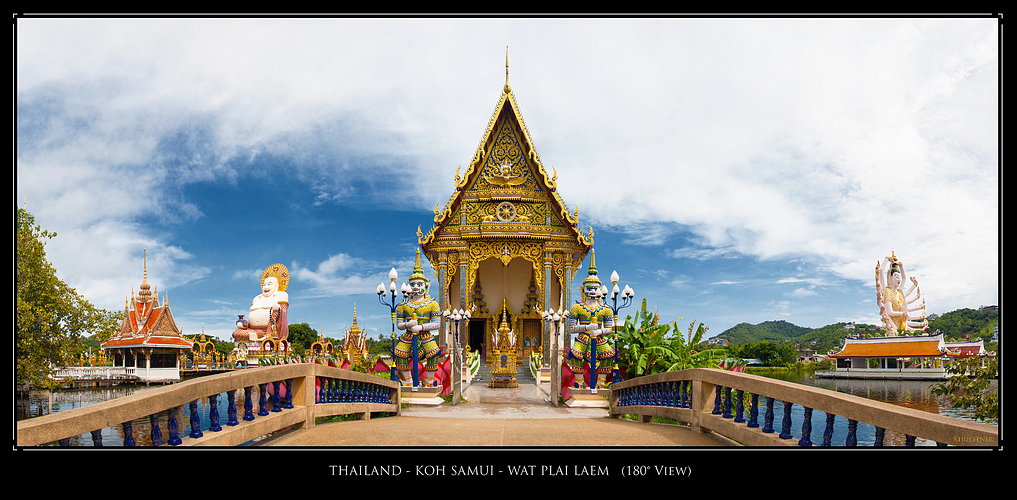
[(355, 344), (149, 343)]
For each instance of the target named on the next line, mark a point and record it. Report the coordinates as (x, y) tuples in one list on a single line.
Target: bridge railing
[(95, 372), (291, 395), (713, 400)]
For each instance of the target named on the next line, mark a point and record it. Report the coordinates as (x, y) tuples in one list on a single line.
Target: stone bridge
[(299, 394), (725, 407)]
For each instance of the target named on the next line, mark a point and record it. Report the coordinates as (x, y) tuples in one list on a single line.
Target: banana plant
[(683, 349), (647, 348)]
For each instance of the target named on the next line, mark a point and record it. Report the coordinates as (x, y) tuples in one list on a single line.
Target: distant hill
[(769, 331), (955, 324)]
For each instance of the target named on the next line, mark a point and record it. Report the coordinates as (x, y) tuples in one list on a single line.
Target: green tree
[(301, 336), (969, 386), (770, 353), (50, 316)]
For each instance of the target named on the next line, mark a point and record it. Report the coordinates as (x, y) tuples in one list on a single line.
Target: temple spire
[(145, 292), (508, 88)]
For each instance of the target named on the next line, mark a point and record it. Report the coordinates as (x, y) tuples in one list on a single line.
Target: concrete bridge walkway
[(501, 417)]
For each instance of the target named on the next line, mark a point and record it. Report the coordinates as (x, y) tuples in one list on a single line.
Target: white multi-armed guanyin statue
[(895, 308)]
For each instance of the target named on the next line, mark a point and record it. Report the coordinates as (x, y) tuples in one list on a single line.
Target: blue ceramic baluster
[(828, 433), (806, 439), (171, 425), (97, 438), (153, 421), (195, 420), (727, 402), (262, 400), (213, 413), (768, 416), (128, 433), (248, 404), (852, 437), (231, 408), (754, 412), (276, 397), (716, 403), (909, 440), (785, 429), (880, 435), (740, 407)]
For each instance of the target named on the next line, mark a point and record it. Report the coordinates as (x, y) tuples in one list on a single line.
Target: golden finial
[(145, 287), (507, 87)]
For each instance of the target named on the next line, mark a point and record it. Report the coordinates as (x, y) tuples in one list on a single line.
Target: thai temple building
[(971, 349), (505, 244), (149, 343), (919, 357)]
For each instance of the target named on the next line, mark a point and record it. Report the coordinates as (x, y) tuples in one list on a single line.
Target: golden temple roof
[(522, 181), (893, 347)]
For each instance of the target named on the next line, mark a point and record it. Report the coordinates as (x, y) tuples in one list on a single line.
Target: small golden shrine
[(355, 343), (505, 235), (322, 348), (503, 366)]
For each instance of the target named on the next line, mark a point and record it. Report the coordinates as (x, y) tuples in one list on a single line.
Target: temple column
[(443, 296), (567, 292), (464, 262), (546, 340)]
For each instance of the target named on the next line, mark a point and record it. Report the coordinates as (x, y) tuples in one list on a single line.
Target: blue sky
[(733, 169)]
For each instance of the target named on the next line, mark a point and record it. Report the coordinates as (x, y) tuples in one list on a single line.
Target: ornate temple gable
[(164, 325), (505, 193), (147, 322)]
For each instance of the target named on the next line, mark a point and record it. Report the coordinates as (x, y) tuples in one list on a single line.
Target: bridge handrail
[(74, 372), (306, 402), (703, 398)]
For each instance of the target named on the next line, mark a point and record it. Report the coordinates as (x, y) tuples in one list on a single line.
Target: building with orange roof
[(920, 357), (149, 343)]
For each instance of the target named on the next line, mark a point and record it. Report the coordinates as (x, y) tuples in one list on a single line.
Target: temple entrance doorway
[(476, 331)]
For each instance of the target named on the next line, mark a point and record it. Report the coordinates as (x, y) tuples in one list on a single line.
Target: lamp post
[(456, 317), (392, 304), (627, 295)]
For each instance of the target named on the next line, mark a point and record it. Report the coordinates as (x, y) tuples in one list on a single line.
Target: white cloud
[(836, 139), (801, 293)]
